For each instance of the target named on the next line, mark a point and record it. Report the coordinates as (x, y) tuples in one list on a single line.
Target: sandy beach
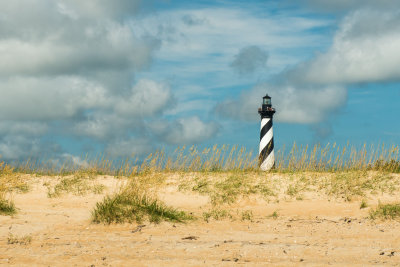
[(314, 231)]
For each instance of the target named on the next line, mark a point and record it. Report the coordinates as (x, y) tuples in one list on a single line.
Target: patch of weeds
[(359, 183), (22, 187), (389, 166), (184, 186), (10, 181), (230, 189), (201, 186), (363, 204), (264, 190), (292, 190), (348, 184), (386, 211), (134, 205), (274, 215), (98, 189), (76, 185), (7, 207), (25, 240), (216, 214), (247, 215)]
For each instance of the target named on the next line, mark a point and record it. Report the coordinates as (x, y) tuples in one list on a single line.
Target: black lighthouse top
[(266, 111)]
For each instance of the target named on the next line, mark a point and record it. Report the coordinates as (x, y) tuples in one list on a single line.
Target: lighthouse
[(266, 154)]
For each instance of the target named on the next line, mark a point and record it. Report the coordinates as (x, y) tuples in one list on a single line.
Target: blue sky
[(129, 77)]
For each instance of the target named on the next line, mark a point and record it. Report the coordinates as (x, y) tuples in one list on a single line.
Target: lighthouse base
[(268, 163)]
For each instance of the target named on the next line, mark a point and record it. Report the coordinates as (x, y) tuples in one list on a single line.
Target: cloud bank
[(68, 72)]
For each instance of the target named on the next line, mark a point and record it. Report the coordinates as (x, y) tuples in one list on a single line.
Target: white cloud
[(365, 49), (101, 8), (67, 68), (38, 40), (26, 98), (25, 128), (148, 98), (17, 146), (102, 126), (187, 130), (21, 139)]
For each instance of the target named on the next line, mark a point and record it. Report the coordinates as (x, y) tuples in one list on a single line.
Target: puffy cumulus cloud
[(147, 98), (365, 49), (64, 58), (32, 98), (102, 126), (14, 147), (249, 59), (68, 70), (294, 104), (100, 8), (21, 139), (43, 38), (189, 130), (25, 128)]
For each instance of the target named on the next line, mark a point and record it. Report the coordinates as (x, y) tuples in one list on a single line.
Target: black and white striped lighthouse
[(266, 155)]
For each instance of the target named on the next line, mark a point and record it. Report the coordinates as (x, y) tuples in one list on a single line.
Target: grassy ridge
[(331, 157), (224, 174)]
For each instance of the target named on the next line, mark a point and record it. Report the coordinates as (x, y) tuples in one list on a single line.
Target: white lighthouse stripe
[(265, 140), (269, 162), (264, 121)]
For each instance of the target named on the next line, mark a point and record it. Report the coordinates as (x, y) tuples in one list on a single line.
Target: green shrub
[(7, 207), (133, 205), (386, 211)]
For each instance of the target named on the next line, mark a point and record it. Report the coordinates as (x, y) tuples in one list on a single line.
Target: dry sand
[(312, 232)]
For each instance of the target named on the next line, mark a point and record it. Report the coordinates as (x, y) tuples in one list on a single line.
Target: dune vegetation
[(223, 174)]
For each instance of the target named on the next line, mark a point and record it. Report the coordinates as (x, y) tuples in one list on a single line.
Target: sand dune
[(314, 231)]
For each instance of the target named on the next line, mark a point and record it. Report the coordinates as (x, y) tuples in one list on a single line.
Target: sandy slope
[(312, 232)]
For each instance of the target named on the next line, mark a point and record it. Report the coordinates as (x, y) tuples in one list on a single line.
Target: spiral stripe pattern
[(266, 153)]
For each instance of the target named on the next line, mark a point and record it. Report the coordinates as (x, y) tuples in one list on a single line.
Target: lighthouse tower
[(266, 155)]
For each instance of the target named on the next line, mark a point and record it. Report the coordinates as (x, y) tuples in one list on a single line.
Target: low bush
[(386, 211), (133, 205)]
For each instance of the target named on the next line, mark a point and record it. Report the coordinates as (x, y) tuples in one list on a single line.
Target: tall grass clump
[(7, 207), (10, 181), (135, 205), (333, 157), (386, 211)]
